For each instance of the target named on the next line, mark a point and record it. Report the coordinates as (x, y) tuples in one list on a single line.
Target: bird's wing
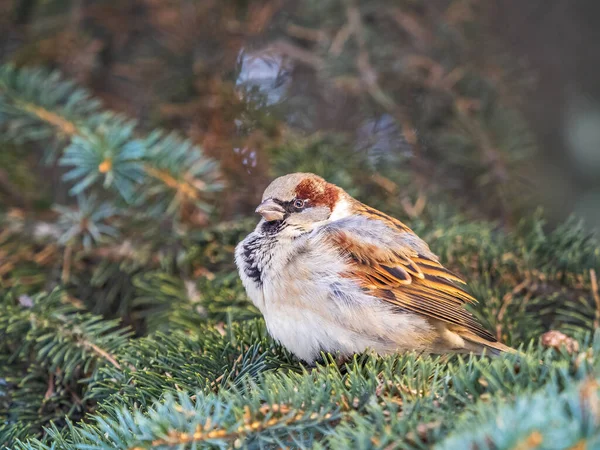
[(394, 264)]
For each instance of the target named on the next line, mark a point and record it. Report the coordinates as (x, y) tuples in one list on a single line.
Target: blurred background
[(492, 108), (136, 139)]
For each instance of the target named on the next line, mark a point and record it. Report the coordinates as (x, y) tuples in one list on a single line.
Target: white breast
[(310, 307)]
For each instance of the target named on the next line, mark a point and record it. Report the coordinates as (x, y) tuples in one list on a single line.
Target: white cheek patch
[(341, 210)]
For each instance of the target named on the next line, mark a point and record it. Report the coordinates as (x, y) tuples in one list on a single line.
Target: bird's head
[(300, 200)]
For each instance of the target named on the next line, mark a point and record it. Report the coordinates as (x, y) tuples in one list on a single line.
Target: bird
[(331, 274)]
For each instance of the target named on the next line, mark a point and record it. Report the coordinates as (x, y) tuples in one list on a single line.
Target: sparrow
[(331, 274)]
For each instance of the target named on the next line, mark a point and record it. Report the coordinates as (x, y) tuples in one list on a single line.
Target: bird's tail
[(478, 345)]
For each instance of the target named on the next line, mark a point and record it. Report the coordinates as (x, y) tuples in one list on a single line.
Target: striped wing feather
[(409, 279)]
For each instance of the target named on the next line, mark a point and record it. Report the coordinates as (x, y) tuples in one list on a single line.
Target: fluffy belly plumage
[(310, 308), (334, 315), (307, 333)]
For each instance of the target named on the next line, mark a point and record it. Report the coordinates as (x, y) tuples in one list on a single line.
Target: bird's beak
[(270, 210)]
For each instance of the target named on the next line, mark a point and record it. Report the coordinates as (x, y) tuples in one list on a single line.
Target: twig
[(462, 107), (82, 342), (101, 352), (67, 259), (50, 391), (385, 183), (340, 39), (596, 296), (207, 433), (369, 77), (260, 15), (308, 34), (184, 188), (506, 301), (64, 125), (297, 53), (532, 441), (412, 26), (588, 396), (415, 209)]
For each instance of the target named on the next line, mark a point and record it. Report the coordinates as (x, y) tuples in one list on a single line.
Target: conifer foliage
[(123, 323)]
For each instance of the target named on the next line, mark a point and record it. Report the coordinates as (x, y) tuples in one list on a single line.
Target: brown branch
[(491, 156), (409, 23), (340, 39), (50, 391), (369, 77), (532, 441), (307, 34), (589, 400), (70, 129), (580, 445), (101, 352), (298, 53), (506, 301), (67, 261), (182, 187), (204, 432), (80, 341), (439, 79), (67, 127), (260, 15), (596, 296), (415, 209)]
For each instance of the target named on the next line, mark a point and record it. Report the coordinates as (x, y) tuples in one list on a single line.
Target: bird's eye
[(298, 203)]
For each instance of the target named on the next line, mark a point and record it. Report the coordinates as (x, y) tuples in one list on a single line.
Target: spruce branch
[(409, 400), (104, 146), (63, 125), (567, 419), (251, 425), (60, 335), (198, 372), (51, 351)]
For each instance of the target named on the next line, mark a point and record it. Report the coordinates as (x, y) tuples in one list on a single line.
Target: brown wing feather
[(408, 279)]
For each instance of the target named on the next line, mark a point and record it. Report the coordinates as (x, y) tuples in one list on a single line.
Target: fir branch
[(408, 401), (549, 418), (201, 374), (207, 433), (102, 145), (60, 334), (61, 123)]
